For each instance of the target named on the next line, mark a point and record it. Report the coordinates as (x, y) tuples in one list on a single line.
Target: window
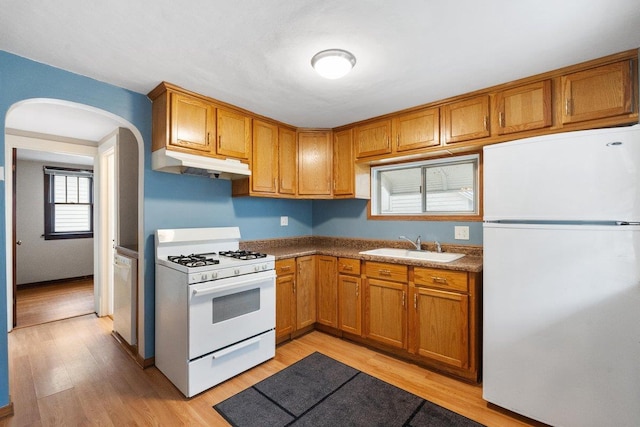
[(68, 203), (439, 187)]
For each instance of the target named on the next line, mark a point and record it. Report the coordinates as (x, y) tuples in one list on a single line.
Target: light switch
[(461, 232), (284, 221)]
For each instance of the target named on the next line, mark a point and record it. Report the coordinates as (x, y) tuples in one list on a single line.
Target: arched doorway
[(58, 126)]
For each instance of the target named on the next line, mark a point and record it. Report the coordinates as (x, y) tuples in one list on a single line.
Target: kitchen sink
[(413, 254)]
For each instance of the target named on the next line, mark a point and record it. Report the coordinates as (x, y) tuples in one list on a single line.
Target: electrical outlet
[(284, 221), (461, 232)]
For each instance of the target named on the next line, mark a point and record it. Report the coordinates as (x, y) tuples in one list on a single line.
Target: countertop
[(351, 247)]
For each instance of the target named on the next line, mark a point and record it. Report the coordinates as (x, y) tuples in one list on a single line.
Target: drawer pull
[(385, 272), (286, 267), (347, 267), (440, 280)]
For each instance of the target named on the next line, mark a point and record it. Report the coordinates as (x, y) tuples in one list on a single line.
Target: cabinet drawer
[(442, 279), (395, 272), (285, 266), (348, 266)]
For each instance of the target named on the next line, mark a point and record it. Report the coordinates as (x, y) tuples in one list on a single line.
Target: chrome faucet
[(417, 243), (438, 247)]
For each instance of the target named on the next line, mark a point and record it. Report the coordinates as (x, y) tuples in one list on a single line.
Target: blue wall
[(349, 218)]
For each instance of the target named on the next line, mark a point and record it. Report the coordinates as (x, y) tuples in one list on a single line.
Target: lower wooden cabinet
[(305, 291), (428, 315), (385, 312), (349, 296), (285, 297), (439, 326), (327, 290)]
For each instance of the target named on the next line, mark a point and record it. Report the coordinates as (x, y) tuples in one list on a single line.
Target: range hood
[(190, 164)]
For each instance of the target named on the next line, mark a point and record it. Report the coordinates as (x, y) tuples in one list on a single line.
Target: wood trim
[(14, 255), (7, 410)]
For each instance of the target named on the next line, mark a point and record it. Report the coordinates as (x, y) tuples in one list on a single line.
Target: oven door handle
[(215, 289), (236, 347)]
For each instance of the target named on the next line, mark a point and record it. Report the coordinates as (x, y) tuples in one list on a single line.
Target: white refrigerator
[(561, 300)]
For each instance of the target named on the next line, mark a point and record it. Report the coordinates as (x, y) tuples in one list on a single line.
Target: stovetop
[(206, 254)]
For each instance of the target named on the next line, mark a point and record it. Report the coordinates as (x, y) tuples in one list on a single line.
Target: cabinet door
[(192, 123), (385, 312), (373, 139), (417, 130), (327, 288), (604, 91), (314, 163), (234, 134), (524, 108), (285, 297), (343, 176), (440, 326), (264, 167), (349, 304), (285, 305), (305, 292), (287, 161), (465, 120)]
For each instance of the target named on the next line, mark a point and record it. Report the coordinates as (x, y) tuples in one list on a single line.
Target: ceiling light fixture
[(333, 63)]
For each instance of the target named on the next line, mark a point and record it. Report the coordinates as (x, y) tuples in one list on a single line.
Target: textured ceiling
[(256, 54)]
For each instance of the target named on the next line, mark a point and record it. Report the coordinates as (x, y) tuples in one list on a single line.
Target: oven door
[(224, 312)]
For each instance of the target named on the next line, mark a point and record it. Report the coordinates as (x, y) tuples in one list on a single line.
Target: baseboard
[(145, 363), (132, 350), (6, 411), (53, 282)]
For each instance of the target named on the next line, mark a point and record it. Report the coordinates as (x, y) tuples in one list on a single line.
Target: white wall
[(40, 260)]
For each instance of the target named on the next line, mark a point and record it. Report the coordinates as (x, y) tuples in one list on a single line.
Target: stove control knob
[(256, 268), (204, 277), (236, 271), (214, 275)]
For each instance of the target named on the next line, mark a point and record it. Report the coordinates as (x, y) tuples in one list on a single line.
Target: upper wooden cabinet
[(264, 165), (192, 123), (373, 139), (287, 161), (600, 92), (465, 120), (524, 108), (234, 134), (188, 122), (314, 163), (343, 174), (416, 130)]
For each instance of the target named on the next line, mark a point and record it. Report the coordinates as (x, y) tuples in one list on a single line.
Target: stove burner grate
[(243, 255), (193, 260)]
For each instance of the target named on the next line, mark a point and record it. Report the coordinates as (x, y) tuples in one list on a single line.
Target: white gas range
[(215, 307)]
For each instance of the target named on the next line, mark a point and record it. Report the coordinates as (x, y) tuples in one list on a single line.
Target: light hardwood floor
[(53, 301), (73, 372)]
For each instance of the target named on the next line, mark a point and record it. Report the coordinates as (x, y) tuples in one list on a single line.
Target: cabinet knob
[(441, 280)]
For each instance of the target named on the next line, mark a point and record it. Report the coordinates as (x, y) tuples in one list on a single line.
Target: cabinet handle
[(388, 141), (415, 301), (398, 141), (357, 290), (286, 268), (385, 272), (334, 184), (441, 280), (567, 107), (275, 184), (219, 141), (486, 119), (403, 298), (501, 119), (208, 137), (294, 286)]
